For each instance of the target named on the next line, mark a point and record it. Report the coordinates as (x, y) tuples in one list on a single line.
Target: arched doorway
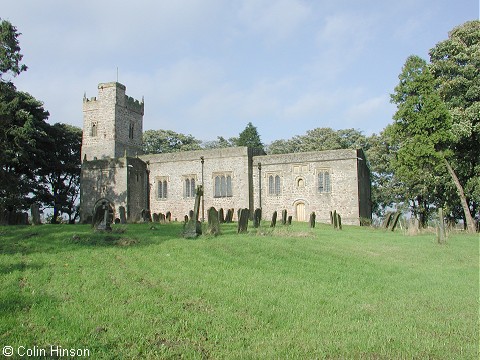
[(300, 211)]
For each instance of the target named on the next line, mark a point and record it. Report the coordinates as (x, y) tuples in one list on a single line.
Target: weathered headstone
[(191, 214), (284, 217), (168, 216), (102, 218), (194, 227), (221, 216), (395, 220), (146, 215), (312, 219), (161, 218), (289, 220), (335, 219), (331, 217), (229, 217), (156, 217), (185, 219), (123, 217), (257, 217), (339, 221), (274, 219), (117, 221), (387, 220), (35, 212), (243, 220), (213, 225)]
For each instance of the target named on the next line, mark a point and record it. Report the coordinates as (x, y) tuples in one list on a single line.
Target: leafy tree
[(10, 56), (221, 142), (249, 137), (421, 130), (59, 179), (23, 130), (167, 141), (455, 63)]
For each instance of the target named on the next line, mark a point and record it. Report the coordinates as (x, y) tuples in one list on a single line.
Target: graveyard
[(259, 289)]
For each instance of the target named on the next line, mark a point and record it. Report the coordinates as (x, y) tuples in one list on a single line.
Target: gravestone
[(331, 217), (213, 225), (117, 221), (221, 217), (146, 215), (101, 218), (339, 221), (229, 217), (191, 214), (156, 217), (387, 220), (168, 216), (289, 220), (123, 218), (395, 220), (257, 217), (194, 227), (35, 212), (335, 219), (243, 220), (185, 219), (274, 219), (312, 219), (284, 217), (161, 218)]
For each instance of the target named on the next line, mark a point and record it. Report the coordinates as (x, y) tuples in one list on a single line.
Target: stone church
[(115, 171)]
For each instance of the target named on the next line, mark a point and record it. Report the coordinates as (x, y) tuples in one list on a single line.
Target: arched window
[(300, 183), (192, 187), (161, 189), (187, 187), (277, 185), (130, 131), (229, 186), (94, 130)]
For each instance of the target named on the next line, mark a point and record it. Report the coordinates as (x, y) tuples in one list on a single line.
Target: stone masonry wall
[(298, 174), (176, 167)]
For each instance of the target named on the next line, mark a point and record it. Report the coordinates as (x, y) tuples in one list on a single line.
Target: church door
[(300, 209)]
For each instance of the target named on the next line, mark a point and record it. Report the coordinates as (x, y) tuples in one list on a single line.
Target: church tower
[(112, 124)]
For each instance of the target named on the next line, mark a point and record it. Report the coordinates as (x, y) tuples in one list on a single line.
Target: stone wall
[(175, 168), (106, 123), (121, 181), (299, 189)]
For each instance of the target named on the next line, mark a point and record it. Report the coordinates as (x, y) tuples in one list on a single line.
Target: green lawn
[(290, 292)]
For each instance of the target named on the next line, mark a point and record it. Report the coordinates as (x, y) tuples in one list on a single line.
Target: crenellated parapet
[(134, 105)]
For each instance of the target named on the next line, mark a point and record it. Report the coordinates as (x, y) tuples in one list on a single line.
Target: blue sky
[(208, 67)]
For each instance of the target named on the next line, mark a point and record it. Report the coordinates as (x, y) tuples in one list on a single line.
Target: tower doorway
[(300, 211)]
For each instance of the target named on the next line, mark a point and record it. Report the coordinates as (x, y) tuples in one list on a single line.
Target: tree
[(10, 56), (59, 179), (23, 130), (167, 141), (420, 133), (249, 137), (221, 142), (455, 64)]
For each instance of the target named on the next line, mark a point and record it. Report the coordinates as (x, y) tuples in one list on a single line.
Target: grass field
[(291, 292)]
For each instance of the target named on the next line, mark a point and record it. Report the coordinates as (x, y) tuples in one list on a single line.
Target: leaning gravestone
[(257, 217), (102, 218), (123, 218), (35, 212), (229, 217), (221, 217), (274, 219), (194, 228), (395, 220), (284, 217), (213, 225), (312, 219), (243, 220)]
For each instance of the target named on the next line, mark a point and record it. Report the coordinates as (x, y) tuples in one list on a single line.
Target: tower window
[(93, 131), (130, 131)]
